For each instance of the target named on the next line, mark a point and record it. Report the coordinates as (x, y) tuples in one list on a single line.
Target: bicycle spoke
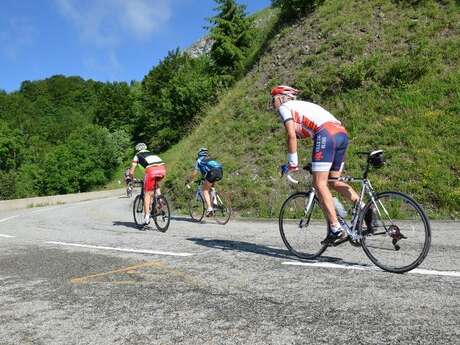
[(196, 207), (161, 215), (303, 226), (398, 237), (138, 210), (222, 210)]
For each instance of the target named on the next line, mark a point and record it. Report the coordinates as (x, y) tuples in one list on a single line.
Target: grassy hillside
[(388, 70)]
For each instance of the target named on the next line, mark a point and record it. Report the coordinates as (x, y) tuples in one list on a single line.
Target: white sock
[(336, 228)]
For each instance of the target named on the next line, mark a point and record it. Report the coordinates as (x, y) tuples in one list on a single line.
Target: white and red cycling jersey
[(308, 117)]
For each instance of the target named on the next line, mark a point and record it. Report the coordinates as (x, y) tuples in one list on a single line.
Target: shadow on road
[(184, 219), (254, 248), (265, 250), (126, 224)]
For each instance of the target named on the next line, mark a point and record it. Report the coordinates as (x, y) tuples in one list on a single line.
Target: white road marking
[(369, 268), (141, 251), (6, 236), (8, 218)]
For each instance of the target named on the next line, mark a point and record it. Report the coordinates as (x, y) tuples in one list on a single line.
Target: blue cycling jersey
[(204, 164)]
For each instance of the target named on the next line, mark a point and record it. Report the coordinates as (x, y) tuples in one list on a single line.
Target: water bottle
[(339, 209)]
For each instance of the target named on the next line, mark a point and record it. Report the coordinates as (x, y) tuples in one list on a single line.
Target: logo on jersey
[(318, 156)]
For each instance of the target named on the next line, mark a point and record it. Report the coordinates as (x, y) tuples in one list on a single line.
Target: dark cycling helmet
[(202, 152), (141, 146), (376, 159)]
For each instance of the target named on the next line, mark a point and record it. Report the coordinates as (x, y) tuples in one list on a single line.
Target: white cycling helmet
[(202, 152), (140, 147)]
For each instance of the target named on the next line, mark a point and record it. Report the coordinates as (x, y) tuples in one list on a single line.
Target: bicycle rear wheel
[(223, 210), (196, 207), (398, 237), (138, 210), (302, 226), (161, 213)]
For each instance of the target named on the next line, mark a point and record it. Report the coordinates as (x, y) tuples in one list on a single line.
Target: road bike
[(220, 203), (159, 210), (392, 228)]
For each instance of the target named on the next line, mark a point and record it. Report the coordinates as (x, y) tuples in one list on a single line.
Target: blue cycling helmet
[(203, 152)]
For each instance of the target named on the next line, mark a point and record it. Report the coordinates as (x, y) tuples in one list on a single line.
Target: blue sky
[(106, 40)]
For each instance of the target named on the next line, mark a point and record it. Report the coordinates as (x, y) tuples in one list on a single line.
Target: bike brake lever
[(291, 179)]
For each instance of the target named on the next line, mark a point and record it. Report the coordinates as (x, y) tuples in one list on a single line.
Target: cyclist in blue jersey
[(211, 170)]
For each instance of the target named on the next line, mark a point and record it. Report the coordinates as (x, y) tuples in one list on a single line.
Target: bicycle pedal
[(339, 241)]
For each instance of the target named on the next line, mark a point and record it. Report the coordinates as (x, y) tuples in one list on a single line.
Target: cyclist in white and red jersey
[(155, 170), (330, 141)]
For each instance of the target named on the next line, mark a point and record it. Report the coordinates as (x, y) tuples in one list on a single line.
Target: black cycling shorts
[(214, 175)]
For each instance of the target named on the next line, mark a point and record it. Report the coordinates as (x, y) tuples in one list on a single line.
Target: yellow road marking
[(132, 270), (129, 270)]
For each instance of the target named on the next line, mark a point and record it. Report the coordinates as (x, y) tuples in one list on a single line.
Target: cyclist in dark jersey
[(211, 170), (155, 170)]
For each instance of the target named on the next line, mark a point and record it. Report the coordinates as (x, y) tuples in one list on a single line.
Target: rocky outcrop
[(201, 47)]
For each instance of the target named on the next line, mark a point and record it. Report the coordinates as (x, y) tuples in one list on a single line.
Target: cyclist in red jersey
[(155, 170), (330, 141)]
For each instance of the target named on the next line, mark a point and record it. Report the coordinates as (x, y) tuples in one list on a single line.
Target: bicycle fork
[(307, 210)]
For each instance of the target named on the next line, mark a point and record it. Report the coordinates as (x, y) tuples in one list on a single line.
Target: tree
[(114, 107), (231, 32), (11, 145), (292, 9), (174, 94), (86, 160)]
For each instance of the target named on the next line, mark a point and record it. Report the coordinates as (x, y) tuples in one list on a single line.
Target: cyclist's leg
[(322, 158), (147, 201), (205, 187), (158, 173), (324, 195), (344, 189), (149, 185)]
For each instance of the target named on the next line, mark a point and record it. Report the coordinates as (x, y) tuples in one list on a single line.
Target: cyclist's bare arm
[(291, 136), (132, 169), (193, 176)]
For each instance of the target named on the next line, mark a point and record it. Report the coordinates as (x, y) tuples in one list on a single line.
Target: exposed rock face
[(201, 47)]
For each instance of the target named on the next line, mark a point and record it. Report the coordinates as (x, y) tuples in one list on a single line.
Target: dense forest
[(65, 134)]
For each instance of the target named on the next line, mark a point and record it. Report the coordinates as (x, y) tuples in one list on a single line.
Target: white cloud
[(106, 23)]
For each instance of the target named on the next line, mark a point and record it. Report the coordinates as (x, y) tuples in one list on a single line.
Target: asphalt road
[(83, 274)]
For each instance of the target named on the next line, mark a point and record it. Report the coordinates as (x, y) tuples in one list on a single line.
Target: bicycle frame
[(199, 192), (366, 189)]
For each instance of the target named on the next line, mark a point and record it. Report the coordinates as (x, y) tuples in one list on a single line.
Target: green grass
[(388, 70)]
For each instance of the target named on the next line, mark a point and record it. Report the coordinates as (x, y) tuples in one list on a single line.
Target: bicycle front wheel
[(196, 207), (162, 215), (303, 225), (396, 234), (222, 210), (138, 210)]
